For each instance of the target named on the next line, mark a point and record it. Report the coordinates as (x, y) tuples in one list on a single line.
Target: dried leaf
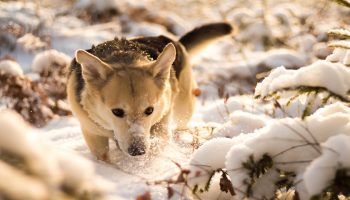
[(226, 185), (197, 92), (181, 178), (170, 192), (144, 196)]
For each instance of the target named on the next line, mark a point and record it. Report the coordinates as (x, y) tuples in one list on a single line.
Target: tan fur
[(99, 123), (185, 101), (133, 87)]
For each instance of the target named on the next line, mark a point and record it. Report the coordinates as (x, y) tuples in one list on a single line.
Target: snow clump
[(321, 172), (47, 59), (11, 68), (240, 122), (331, 76)]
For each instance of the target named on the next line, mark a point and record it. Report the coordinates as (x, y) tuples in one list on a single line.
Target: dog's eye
[(149, 110), (118, 112)]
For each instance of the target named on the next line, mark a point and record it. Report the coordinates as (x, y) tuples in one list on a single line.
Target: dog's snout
[(137, 148)]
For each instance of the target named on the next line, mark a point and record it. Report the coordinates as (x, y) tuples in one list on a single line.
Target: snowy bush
[(330, 173), (322, 74), (30, 43), (294, 154), (285, 146), (301, 92), (34, 170), (270, 158)]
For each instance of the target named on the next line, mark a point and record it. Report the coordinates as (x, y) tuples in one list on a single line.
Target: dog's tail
[(201, 37)]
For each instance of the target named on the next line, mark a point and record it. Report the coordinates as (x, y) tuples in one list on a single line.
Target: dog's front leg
[(98, 145)]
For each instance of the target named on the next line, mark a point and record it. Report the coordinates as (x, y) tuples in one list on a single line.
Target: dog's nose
[(136, 149)]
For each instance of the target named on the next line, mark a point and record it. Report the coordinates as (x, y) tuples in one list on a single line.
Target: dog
[(131, 90)]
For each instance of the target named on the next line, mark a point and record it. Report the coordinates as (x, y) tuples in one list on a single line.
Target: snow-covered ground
[(254, 132)]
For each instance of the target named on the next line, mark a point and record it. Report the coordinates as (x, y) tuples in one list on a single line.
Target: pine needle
[(342, 2), (339, 33), (340, 44)]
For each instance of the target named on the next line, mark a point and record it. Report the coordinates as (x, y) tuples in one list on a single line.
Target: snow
[(67, 36), (255, 33), (29, 42), (321, 50), (14, 140), (240, 122), (337, 55), (48, 59), (100, 6), (10, 67), (128, 174), (340, 55), (219, 110), (80, 182), (213, 193), (321, 171), (205, 160), (32, 190), (282, 57)]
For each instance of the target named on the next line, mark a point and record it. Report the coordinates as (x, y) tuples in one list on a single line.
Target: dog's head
[(127, 99)]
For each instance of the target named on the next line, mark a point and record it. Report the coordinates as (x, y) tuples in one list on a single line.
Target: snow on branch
[(342, 2), (328, 175), (261, 163), (332, 77), (339, 33), (340, 44)]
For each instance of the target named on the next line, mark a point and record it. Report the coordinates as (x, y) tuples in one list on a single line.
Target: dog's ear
[(162, 66), (92, 67)]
